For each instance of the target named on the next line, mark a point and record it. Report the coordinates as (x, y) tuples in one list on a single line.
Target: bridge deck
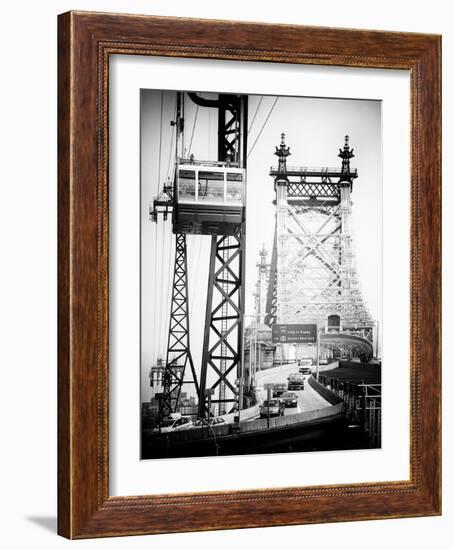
[(308, 398)]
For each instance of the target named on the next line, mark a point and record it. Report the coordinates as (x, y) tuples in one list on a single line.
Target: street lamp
[(254, 339), (318, 332), (269, 387)]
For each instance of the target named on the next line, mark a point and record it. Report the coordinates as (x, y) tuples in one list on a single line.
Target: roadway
[(307, 399)]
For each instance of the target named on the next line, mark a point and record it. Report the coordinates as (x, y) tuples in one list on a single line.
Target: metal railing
[(362, 406), (315, 170), (212, 163)]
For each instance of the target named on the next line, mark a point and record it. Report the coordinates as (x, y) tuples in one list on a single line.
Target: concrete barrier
[(329, 366), (328, 395), (203, 432), (300, 418)]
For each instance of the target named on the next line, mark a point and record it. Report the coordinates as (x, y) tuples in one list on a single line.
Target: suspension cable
[(193, 130), (162, 344), (209, 133), (160, 140), (262, 127), (155, 343), (171, 144), (254, 116)]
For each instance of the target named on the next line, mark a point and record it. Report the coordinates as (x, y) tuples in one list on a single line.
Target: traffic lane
[(277, 374), (307, 399)]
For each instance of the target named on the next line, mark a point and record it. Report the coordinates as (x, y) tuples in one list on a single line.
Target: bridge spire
[(282, 152), (346, 154)]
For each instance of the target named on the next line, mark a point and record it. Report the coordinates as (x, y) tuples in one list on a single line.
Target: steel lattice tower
[(178, 348), (313, 278), (222, 361), (221, 370)]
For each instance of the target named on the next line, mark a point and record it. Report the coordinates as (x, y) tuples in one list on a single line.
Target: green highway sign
[(294, 334)]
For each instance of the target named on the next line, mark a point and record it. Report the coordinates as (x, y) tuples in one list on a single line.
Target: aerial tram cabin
[(209, 197)]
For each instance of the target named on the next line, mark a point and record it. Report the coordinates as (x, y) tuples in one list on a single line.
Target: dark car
[(305, 370), (289, 398), (273, 407), (296, 381), (279, 389)]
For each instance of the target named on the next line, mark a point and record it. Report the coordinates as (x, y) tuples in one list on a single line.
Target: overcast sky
[(315, 129)]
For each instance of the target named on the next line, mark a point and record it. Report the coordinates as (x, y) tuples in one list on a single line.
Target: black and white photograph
[(225, 275), (261, 274)]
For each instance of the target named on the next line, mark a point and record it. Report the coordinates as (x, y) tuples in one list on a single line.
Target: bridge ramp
[(308, 398)]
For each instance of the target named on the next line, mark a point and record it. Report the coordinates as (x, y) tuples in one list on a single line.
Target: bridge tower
[(207, 197), (313, 278)]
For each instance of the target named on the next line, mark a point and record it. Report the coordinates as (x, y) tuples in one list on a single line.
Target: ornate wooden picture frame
[(85, 42)]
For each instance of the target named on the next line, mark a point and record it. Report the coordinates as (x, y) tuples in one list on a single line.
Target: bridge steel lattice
[(313, 278), (222, 364), (179, 356)]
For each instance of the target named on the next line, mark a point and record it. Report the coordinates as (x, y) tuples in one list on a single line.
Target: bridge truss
[(221, 369), (313, 278)]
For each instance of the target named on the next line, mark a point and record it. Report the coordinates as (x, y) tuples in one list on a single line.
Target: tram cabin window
[(210, 185), (187, 185), (234, 188)]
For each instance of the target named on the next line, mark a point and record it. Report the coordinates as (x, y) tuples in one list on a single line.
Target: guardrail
[(315, 170), (205, 432), (299, 418), (328, 366), (362, 405), (328, 395)]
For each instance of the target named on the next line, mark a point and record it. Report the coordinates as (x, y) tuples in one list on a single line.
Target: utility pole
[(318, 333)]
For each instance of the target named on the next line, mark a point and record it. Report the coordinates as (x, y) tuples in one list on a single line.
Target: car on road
[(296, 381), (173, 425), (305, 370), (273, 407), (289, 398), (305, 366), (278, 389)]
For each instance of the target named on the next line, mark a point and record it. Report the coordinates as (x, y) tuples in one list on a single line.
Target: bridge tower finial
[(346, 155), (263, 257), (282, 152)]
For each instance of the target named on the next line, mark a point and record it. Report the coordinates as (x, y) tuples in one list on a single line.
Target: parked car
[(296, 381), (173, 425), (279, 389), (289, 398), (273, 407)]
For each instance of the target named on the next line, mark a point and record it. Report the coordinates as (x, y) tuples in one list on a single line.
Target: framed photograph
[(249, 275)]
